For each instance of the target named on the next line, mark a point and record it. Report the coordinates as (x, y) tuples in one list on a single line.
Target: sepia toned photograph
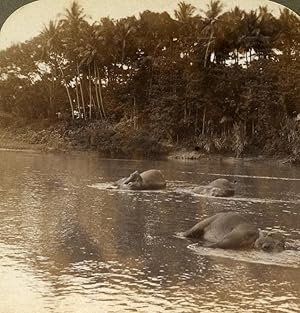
[(150, 157)]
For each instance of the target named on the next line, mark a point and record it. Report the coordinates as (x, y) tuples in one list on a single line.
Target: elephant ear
[(129, 178), (133, 177), (263, 233), (215, 192)]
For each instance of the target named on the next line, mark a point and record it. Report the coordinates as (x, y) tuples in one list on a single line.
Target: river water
[(69, 245)]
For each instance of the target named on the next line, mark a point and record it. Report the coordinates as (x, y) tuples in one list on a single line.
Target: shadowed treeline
[(226, 81)]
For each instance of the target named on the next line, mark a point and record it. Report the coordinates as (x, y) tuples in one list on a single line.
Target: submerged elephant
[(148, 180), (220, 187), (233, 231)]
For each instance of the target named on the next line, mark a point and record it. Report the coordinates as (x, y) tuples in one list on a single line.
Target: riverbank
[(109, 141), (63, 136), (17, 137)]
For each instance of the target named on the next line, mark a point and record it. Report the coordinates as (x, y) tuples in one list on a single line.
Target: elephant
[(220, 187), (148, 180), (231, 230)]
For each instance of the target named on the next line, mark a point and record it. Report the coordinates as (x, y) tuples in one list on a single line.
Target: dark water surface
[(68, 245)]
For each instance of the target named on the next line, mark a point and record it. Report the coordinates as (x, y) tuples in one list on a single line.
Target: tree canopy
[(202, 73)]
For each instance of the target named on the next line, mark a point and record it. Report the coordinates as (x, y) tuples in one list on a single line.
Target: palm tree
[(51, 36), (249, 32), (259, 29), (125, 27), (99, 55), (227, 34), (154, 35), (214, 9), (87, 59), (74, 25), (187, 23), (185, 12), (288, 39), (210, 20), (269, 28)]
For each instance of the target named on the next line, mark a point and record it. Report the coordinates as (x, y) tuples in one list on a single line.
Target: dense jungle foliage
[(221, 81)]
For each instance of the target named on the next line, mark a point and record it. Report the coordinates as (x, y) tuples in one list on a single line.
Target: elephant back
[(221, 183), (153, 178), (221, 188)]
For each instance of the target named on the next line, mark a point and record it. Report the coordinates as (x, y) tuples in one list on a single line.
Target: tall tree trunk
[(185, 103), (77, 99), (134, 114), (81, 93), (68, 91), (51, 88), (207, 48), (51, 95), (90, 93), (94, 102), (196, 122), (203, 120), (82, 100), (100, 94), (96, 92), (123, 51)]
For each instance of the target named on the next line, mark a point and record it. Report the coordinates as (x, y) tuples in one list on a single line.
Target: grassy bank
[(116, 141), (123, 141)]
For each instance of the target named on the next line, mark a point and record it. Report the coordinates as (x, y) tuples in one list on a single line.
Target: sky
[(29, 20)]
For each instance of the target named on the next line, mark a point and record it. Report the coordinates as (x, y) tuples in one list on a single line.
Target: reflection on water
[(287, 258), (67, 247)]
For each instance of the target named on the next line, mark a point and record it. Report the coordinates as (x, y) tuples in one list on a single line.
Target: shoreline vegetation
[(76, 136), (157, 85)]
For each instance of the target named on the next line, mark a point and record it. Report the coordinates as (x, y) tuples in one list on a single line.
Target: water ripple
[(66, 247)]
